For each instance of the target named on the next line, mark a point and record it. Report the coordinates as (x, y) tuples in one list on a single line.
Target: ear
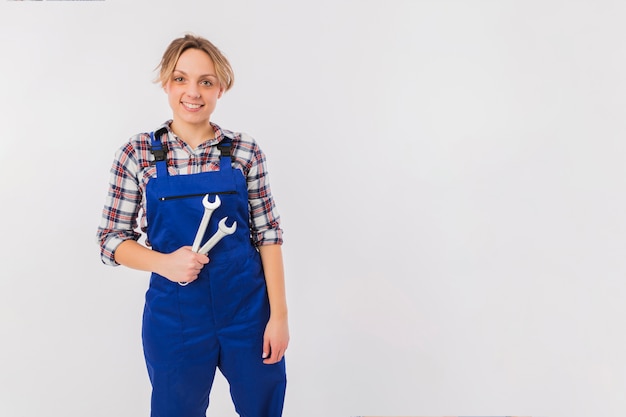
[(221, 92)]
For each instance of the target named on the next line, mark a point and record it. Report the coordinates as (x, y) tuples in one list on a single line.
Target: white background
[(450, 175)]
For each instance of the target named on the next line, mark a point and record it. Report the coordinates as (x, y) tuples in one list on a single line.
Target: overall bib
[(217, 320)]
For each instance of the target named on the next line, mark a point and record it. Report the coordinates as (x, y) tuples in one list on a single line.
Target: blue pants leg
[(181, 389), (257, 390)]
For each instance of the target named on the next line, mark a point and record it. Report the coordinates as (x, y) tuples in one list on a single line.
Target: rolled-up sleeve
[(121, 208), (266, 229)]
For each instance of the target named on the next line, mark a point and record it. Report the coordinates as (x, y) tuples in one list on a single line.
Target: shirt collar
[(172, 138)]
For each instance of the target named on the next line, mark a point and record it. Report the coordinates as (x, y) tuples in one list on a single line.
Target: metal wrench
[(222, 230), (208, 210)]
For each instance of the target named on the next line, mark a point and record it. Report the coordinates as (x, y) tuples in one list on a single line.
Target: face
[(193, 89)]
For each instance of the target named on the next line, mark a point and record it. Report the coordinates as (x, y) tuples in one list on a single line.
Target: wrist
[(278, 314)]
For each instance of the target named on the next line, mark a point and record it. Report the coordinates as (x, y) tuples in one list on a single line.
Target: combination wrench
[(209, 208)]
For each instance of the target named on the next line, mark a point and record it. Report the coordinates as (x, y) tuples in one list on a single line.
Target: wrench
[(222, 230), (208, 210)]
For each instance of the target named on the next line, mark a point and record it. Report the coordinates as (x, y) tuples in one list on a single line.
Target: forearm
[(272, 259), (136, 256), (182, 265), (276, 337)]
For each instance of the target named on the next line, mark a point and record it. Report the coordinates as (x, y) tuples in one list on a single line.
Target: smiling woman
[(194, 74), (193, 90), (228, 312)]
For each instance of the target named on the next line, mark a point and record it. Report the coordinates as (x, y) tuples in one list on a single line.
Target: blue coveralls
[(217, 320)]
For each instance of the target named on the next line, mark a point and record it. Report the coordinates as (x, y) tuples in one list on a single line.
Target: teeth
[(192, 106)]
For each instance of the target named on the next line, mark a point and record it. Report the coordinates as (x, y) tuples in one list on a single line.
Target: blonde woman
[(229, 311)]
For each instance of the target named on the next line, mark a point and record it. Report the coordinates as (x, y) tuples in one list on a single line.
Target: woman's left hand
[(275, 340)]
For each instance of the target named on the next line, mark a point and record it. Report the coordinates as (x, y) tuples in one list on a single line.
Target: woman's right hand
[(182, 265)]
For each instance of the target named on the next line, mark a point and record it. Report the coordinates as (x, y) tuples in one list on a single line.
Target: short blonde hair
[(175, 49)]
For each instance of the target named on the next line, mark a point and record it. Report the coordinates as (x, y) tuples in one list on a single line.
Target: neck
[(193, 135)]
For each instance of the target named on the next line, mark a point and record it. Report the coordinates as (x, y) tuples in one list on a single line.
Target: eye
[(179, 79), (206, 83)]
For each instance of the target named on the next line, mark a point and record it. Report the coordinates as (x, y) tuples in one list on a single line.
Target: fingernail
[(264, 355)]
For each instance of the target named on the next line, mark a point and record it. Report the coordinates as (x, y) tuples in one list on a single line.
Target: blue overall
[(217, 320)]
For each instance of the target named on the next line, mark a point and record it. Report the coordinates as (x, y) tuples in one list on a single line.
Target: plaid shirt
[(134, 166)]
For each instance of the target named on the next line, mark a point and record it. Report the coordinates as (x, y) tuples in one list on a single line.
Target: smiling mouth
[(191, 106)]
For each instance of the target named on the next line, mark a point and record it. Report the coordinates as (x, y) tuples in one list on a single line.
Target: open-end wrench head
[(227, 230), (211, 206)]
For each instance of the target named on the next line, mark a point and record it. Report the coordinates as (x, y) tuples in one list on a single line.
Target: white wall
[(451, 179)]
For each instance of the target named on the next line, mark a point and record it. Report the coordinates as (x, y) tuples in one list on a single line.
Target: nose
[(192, 91)]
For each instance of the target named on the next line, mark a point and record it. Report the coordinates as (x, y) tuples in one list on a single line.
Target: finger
[(275, 358), (275, 354), (266, 348), (203, 259), (278, 356)]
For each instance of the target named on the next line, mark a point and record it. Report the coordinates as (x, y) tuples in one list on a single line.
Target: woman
[(230, 311)]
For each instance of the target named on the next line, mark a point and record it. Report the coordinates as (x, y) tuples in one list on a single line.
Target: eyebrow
[(203, 75)]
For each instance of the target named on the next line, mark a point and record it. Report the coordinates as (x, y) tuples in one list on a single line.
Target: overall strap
[(226, 156), (159, 150)]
